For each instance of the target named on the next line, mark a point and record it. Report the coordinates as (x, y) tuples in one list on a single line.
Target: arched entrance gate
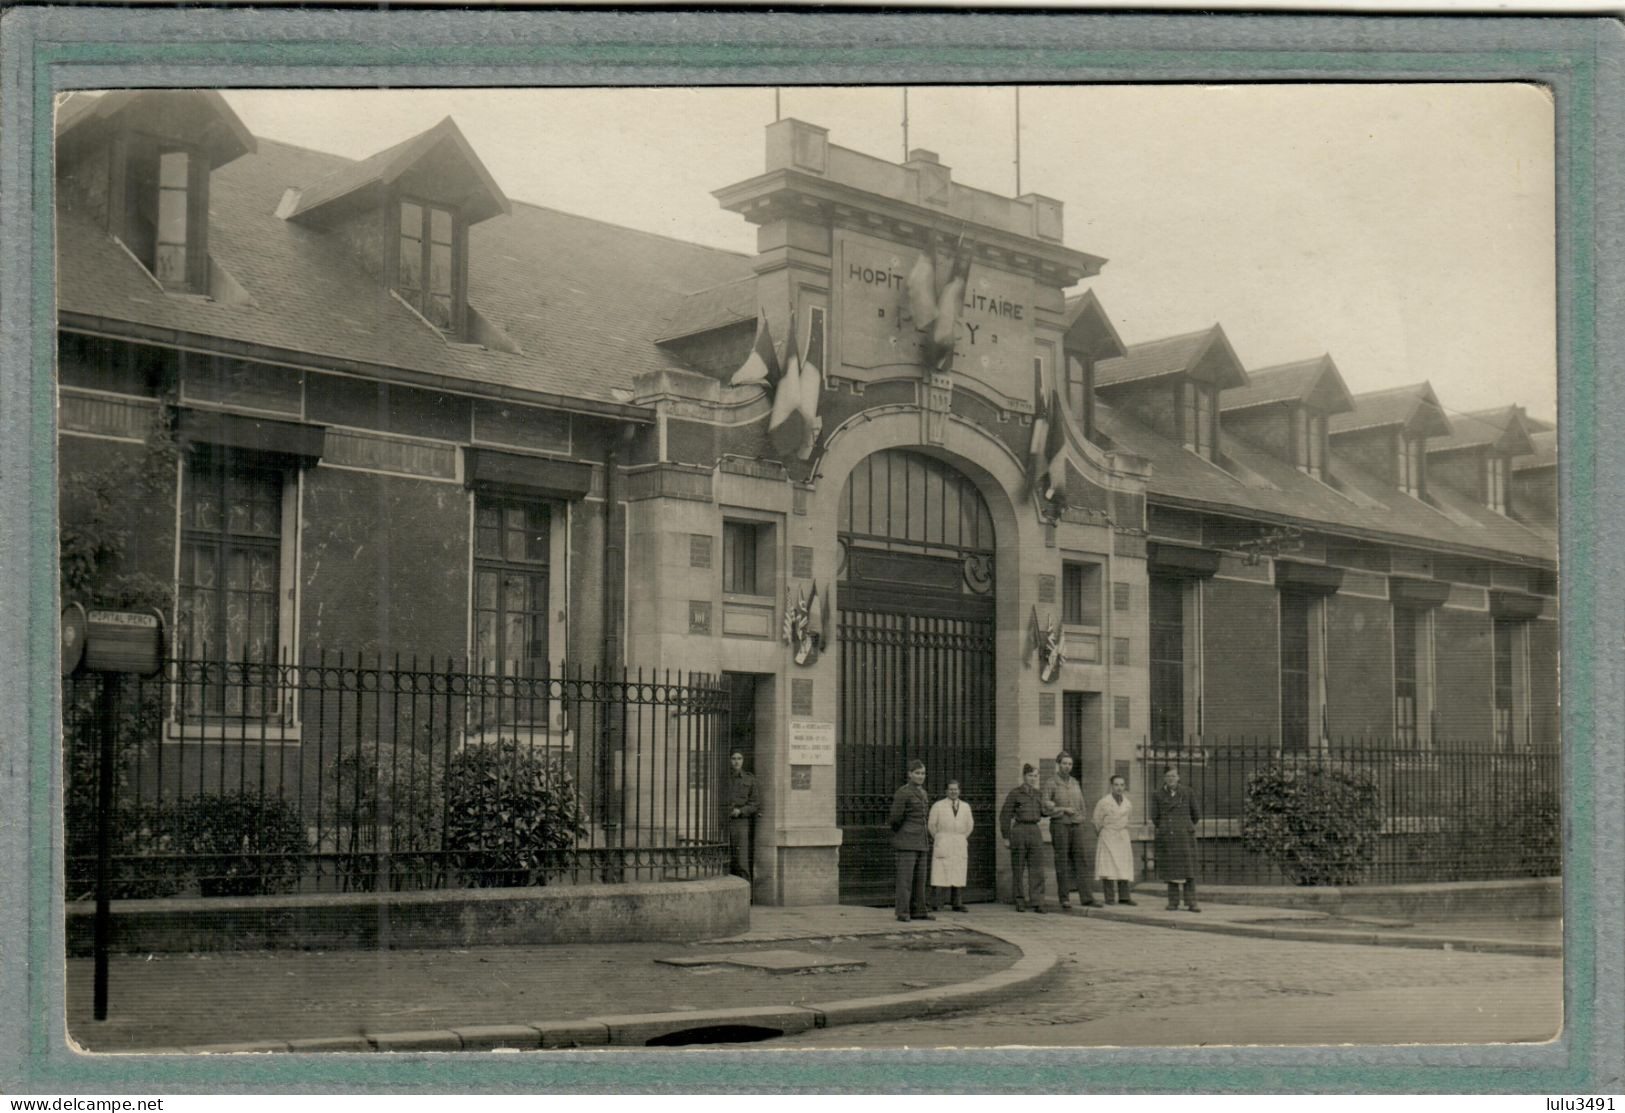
[(917, 666)]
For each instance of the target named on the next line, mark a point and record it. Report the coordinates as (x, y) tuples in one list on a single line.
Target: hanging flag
[(1055, 453), (1040, 437), (812, 385), (823, 620), (1054, 653), (950, 302), (922, 291), (807, 638), (792, 617), (1035, 639), (787, 427), (762, 364), (817, 611)]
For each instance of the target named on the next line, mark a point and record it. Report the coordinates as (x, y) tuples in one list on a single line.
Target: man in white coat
[(950, 825), (1114, 853)]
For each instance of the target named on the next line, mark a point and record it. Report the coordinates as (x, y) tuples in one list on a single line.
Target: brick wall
[(1463, 668), (1241, 682), (1359, 673)]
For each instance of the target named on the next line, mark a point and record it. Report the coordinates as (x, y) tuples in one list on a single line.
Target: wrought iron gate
[(917, 665)]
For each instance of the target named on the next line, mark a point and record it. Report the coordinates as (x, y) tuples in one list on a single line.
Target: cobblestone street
[(1127, 984)]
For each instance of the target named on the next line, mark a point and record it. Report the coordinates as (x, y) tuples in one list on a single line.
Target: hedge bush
[(237, 844), (1319, 824), (384, 802), (509, 811)]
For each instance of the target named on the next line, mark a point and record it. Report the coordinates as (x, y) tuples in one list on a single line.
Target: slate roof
[(584, 300), (728, 304), (1263, 484), (390, 163), (1502, 428), (1291, 382), (1414, 403), (1085, 304), (1544, 454), (86, 109), (1171, 355)]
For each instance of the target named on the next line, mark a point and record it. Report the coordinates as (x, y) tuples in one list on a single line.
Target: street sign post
[(113, 643)]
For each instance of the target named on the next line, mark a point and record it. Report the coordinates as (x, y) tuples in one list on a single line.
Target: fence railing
[(335, 773), (1444, 813)]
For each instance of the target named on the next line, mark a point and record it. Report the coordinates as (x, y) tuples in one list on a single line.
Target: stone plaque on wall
[(1119, 651), (1046, 709), (699, 617), (1120, 596), (801, 778), (699, 550), (1046, 589), (1120, 712), (801, 562), (801, 697)]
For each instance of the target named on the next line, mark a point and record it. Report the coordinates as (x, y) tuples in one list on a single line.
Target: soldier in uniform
[(910, 811), (1018, 824), (742, 808)]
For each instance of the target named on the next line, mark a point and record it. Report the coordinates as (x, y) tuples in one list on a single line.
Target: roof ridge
[(348, 161)]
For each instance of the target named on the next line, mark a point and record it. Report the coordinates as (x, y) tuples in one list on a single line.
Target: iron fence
[(1363, 810), (336, 773)]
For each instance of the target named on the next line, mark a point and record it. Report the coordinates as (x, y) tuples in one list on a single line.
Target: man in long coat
[(1173, 810), (1114, 853), (910, 808), (742, 809), (950, 824)]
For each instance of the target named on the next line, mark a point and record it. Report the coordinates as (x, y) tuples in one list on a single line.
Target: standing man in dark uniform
[(742, 809), (1073, 865), (1173, 810), (1018, 824), (910, 808)]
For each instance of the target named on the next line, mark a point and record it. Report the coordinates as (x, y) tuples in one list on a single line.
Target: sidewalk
[(838, 965)]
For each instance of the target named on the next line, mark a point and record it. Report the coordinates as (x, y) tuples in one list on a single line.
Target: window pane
[(440, 268), (1294, 671), (438, 311), (411, 272), (739, 558), (172, 216), (172, 166), (169, 263), (1167, 652), (411, 220), (439, 226)]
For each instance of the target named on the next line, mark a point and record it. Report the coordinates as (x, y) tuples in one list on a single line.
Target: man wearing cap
[(910, 809), (1018, 824), (1063, 797), (742, 809)]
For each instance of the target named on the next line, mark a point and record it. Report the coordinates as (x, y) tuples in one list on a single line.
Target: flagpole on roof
[(1018, 140), (775, 104), (905, 123)]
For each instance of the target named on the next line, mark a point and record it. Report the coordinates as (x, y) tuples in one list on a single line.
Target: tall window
[(741, 542), (1080, 728), (1080, 389), (1407, 693), (1495, 483), (1505, 639), (230, 580), (1080, 593), (158, 220), (1310, 435), (424, 275), (1167, 651), (1196, 418), (1295, 670), (1410, 465), (512, 546)]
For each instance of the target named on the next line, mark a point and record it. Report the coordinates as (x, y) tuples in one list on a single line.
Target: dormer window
[(1309, 436), (425, 274), (1196, 412), (1080, 389), (1411, 474), (1495, 483), (165, 212)]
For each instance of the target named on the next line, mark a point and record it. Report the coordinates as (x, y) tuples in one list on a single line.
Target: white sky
[(1408, 230)]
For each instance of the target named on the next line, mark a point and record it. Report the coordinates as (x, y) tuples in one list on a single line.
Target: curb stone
[(1355, 938), (1036, 963)]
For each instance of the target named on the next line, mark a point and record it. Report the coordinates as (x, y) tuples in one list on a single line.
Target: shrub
[(509, 811), (386, 802), (238, 844), (1319, 824)]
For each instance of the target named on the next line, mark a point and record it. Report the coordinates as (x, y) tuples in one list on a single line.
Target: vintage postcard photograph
[(809, 567)]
